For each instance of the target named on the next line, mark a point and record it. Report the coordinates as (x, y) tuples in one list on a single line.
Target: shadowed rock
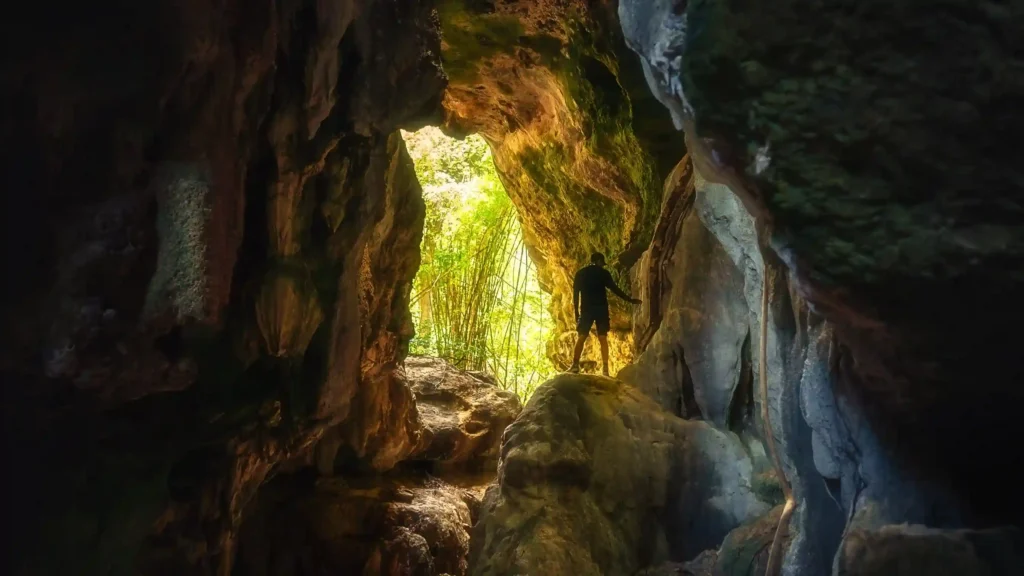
[(875, 147), (400, 525), (908, 549)]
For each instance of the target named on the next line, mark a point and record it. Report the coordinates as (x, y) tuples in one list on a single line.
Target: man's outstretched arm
[(618, 291)]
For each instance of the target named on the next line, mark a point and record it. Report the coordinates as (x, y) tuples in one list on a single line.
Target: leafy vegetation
[(476, 300)]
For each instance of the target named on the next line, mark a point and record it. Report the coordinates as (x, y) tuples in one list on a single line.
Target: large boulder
[(463, 414), (596, 479)]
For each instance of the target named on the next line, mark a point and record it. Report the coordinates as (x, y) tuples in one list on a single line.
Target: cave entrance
[(476, 300)]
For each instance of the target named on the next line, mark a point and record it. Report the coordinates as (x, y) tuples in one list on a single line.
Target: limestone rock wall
[(869, 289), (901, 235), (214, 227), (699, 365), (579, 142)]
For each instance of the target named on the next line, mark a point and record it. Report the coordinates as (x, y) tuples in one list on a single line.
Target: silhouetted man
[(590, 305)]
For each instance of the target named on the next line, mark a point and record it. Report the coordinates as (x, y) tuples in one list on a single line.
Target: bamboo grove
[(476, 300)]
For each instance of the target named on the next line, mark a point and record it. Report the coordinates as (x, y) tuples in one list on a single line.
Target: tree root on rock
[(775, 554)]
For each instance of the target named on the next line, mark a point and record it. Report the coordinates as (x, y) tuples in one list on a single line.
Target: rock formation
[(867, 381), (895, 232), (744, 552), (211, 226), (463, 414), (215, 237), (579, 142), (596, 479), (398, 525), (412, 519)]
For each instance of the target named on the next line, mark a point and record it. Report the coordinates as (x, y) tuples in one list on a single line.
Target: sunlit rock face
[(596, 479), (581, 145), (214, 237), (463, 414), (874, 145)]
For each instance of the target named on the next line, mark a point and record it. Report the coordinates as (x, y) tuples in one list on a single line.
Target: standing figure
[(590, 305)]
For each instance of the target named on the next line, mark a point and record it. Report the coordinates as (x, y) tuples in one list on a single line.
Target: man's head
[(597, 258)]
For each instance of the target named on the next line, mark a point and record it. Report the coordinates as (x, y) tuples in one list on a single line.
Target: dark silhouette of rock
[(398, 525), (907, 549)]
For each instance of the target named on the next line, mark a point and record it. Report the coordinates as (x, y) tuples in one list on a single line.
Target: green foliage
[(476, 300)]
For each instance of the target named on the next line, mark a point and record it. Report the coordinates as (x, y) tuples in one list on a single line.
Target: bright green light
[(476, 298)]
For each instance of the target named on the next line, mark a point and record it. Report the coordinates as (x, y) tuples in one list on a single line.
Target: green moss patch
[(472, 38)]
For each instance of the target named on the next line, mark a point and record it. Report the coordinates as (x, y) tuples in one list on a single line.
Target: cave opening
[(476, 300)]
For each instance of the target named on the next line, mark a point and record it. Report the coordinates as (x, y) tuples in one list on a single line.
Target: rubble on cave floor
[(412, 519)]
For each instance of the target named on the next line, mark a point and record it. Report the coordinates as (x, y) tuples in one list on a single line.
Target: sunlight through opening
[(476, 300)]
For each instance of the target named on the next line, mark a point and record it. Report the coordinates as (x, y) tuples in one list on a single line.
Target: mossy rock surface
[(580, 143), (886, 133)]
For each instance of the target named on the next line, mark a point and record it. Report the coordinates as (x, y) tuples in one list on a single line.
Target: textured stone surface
[(391, 526), (201, 184), (700, 357), (744, 552), (581, 145), (836, 463), (384, 426), (355, 520), (908, 549), (426, 412), (463, 415), (900, 234), (595, 478), (701, 566)]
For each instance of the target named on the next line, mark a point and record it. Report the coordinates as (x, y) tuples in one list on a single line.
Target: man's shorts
[(589, 318)]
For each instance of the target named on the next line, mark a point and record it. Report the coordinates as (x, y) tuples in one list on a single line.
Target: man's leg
[(603, 325), (603, 338), (581, 339)]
